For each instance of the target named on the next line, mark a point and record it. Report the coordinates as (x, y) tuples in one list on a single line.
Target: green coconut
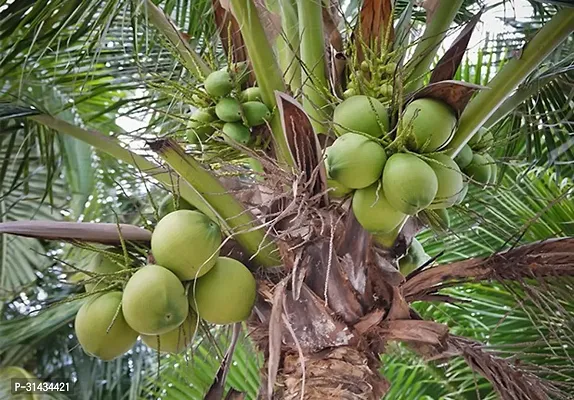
[(449, 180), (167, 205), (187, 243), (337, 190), (361, 114), (414, 258), (236, 132), (493, 169), (174, 341), (219, 83), (154, 301), (255, 113), (486, 141), (355, 161), (103, 263), (251, 94), (443, 215), (463, 192), (224, 295), (476, 138), (94, 319), (200, 126), (430, 124), (464, 157), (387, 240), (7, 385), (374, 212), (409, 183), (228, 110), (479, 169)]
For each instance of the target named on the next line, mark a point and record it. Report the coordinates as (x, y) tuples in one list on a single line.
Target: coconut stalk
[(254, 241), (191, 61), (288, 44), (438, 23), (313, 64), (510, 76), (266, 69)]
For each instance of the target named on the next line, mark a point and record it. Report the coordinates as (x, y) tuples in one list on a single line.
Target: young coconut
[(414, 258), (464, 157), (449, 180), (200, 126), (174, 341), (250, 94), (409, 183), (430, 124), (167, 205), (477, 137), (218, 83), (154, 301), (224, 295), (236, 132), (92, 323), (479, 169), (361, 114), (187, 243), (337, 190), (255, 113), (355, 161), (228, 110), (103, 264), (374, 212), (486, 142), (463, 192)]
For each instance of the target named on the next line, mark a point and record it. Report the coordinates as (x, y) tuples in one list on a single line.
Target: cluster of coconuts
[(227, 108), (163, 302), (386, 188), (475, 161)]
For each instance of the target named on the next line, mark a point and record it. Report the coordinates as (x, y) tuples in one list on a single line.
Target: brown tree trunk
[(343, 373)]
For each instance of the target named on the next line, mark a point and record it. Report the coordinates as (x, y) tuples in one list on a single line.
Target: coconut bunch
[(164, 301), (390, 181), (475, 161), (226, 108)]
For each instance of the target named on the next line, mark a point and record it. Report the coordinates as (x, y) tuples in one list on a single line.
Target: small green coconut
[(361, 114), (224, 295), (462, 194), (255, 113), (415, 257), (464, 157), (476, 138), (219, 83), (449, 180), (174, 341), (154, 301), (409, 183), (200, 126), (479, 169), (430, 124), (167, 205), (374, 212), (187, 243), (95, 331), (355, 161), (228, 110), (486, 142), (251, 94), (103, 264), (236, 132), (337, 190)]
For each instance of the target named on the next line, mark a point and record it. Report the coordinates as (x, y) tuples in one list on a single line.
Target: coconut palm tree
[(476, 320)]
